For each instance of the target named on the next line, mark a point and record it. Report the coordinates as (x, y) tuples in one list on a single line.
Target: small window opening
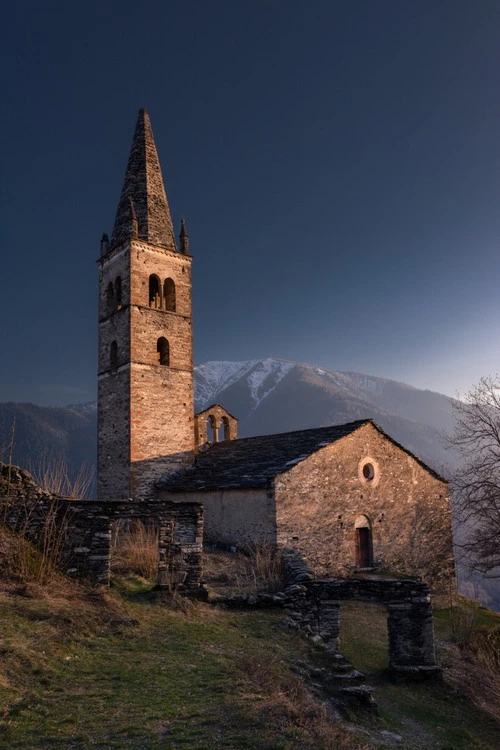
[(169, 295), (110, 298), (154, 292), (163, 349), (118, 292), (113, 355)]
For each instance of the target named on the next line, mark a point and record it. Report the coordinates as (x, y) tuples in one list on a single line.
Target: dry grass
[(255, 569), (473, 666), (280, 700), (134, 549), (21, 560)]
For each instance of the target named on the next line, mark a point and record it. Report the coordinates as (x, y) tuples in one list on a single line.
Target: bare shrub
[(474, 668), (40, 523), (23, 561), (264, 567), (476, 484), (54, 477), (257, 568), (134, 549)]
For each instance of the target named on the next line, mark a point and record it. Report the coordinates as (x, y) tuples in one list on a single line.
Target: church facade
[(345, 497)]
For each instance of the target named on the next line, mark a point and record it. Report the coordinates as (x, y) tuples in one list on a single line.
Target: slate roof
[(252, 462)]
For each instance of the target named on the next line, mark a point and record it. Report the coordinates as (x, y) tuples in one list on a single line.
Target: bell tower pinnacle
[(145, 393)]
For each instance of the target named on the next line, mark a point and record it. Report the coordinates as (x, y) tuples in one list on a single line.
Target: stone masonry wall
[(113, 447), (113, 402), (224, 424), (145, 409), (319, 500), (79, 531), (239, 517)]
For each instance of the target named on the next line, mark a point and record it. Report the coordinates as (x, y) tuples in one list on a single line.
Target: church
[(345, 498)]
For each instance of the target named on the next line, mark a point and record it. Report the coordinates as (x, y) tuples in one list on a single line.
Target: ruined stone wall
[(319, 500), (78, 532), (239, 517), (315, 607)]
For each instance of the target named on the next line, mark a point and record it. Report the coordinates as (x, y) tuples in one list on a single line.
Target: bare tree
[(476, 483)]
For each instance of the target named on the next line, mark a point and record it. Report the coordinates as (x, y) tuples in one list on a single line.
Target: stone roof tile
[(254, 461)]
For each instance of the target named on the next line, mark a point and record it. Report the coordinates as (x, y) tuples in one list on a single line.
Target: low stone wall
[(77, 533)]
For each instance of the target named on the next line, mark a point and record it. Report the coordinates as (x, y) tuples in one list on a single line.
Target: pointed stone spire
[(143, 200), (184, 238), (134, 224)]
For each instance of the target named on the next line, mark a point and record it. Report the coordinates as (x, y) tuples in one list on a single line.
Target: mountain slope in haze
[(43, 435), (267, 396), (277, 396)]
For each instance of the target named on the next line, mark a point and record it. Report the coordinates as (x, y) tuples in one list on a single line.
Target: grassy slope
[(118, 669), (78, 673), (432, 714)]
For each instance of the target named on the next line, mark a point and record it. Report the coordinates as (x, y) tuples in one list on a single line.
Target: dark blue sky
[(337, 163)]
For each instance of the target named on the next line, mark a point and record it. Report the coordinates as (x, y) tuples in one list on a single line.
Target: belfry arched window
[(163, 349), (169, 295), (154, 291), (118, 293), (113, 355), (224, 429), (211, 429), (110, 298)]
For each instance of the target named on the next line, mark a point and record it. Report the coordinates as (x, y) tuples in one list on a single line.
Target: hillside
[(127, 668)]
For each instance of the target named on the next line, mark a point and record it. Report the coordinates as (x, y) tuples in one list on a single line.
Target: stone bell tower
[(145, 382)]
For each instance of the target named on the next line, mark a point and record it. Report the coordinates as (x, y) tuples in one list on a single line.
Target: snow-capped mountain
[(274, 395)]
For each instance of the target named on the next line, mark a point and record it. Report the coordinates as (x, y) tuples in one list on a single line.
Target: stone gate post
[(411, 636)]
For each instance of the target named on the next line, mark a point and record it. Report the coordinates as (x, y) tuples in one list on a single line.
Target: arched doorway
[(363, 540)]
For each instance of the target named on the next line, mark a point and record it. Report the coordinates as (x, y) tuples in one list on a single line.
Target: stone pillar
[(164, 576), (99, 562), (329, 623), (411, 637)]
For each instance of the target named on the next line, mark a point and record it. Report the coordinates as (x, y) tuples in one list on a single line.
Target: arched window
[(211, 429), (154, 291), (169, 295), (110, 298), (113, 355), (118, 293), (163, 349), (224, 429), (363, 540)]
